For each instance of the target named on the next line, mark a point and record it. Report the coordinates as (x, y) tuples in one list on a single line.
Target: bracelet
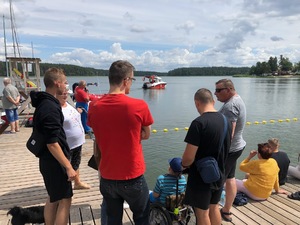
[(184, 166)]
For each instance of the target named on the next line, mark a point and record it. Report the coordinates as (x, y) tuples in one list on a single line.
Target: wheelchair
[(169, 214)]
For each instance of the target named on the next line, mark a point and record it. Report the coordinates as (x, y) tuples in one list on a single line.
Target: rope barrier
[(165, 130)]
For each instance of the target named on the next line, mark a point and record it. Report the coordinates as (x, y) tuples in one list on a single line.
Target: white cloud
[(158, 35)]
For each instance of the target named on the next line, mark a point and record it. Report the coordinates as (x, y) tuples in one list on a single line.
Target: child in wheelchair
[(166, 184)]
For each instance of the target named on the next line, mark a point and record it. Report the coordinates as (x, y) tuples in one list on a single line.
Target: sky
[(154, 35)]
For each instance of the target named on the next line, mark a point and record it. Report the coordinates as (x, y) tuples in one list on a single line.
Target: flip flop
[(224, 214), (295, 196)]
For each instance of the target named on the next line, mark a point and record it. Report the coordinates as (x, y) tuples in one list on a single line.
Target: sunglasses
[(130, 78), (218, 90)]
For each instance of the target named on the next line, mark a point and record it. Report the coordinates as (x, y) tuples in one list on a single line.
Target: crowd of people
[(217, 134)]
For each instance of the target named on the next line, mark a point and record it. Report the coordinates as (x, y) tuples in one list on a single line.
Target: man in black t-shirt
[(206, 136)]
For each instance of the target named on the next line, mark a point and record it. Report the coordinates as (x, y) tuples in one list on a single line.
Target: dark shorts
[(11, 115), (75, 156), (230, 165), (202, 198), (56, 180)]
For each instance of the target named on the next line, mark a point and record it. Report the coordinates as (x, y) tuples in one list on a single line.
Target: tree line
[(73, 70), (273, 66)]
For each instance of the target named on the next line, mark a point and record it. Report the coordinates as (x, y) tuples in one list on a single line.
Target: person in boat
[(167, 184), (82, 100), (281, 158), (75, 136), (262, 174)]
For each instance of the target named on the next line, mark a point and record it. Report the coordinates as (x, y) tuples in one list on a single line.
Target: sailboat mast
[(5, 47)]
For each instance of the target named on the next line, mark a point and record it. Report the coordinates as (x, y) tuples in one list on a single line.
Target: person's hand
[(71, 174), (281, 191), (252, 154), (79, 110)]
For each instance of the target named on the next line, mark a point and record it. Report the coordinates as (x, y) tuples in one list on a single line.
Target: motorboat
[(154, 82)]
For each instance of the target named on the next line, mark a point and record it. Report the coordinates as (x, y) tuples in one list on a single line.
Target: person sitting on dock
[(167, 184), (281, 158), (263, 174)]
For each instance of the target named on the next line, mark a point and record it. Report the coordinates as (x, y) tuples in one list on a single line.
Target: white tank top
[(73, 127)]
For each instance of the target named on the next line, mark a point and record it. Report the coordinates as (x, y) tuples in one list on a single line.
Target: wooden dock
[(21, 185)]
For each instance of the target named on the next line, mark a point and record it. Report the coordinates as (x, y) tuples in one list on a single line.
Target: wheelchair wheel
[(159, 215)]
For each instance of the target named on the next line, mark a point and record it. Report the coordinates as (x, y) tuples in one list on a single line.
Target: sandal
[(224, 214), (295, 196)]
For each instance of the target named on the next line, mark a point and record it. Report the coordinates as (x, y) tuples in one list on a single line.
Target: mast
[(5, 47)]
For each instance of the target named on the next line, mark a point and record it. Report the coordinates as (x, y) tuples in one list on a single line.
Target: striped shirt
[(166, 185)]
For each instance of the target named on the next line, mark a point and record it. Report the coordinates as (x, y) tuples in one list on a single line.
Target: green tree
[(273, 64), (285, 64)]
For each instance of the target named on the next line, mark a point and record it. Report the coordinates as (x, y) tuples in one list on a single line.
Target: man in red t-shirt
[(120, 123), (82, 100)]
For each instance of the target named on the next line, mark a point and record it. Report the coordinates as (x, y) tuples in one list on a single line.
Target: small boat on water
[(154, 82)]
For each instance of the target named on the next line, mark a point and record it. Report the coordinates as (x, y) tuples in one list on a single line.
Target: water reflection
[(152, 94)]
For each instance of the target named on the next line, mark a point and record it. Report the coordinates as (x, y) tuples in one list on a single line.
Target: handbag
[(36, 143), (209, 169), (92, 163), (208, 166)]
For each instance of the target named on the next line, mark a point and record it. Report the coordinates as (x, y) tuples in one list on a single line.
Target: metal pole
[(5, 47)]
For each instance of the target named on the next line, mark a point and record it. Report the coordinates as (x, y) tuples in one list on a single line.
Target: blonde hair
[(273, 142)]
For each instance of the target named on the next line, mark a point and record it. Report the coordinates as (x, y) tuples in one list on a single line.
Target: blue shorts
[(12, 115)]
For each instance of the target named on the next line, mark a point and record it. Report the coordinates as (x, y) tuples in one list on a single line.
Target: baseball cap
[(175, 164)]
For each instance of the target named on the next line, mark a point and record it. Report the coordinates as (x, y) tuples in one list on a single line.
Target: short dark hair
[(265, 150), (51, 75), (119, 70), (204, 95), (227, 83)]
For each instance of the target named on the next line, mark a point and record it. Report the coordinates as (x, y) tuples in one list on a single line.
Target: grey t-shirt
[(235, 110), (12, 91)]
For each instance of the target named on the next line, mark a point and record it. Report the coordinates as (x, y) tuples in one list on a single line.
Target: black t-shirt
[(206, 132), (283, 162)]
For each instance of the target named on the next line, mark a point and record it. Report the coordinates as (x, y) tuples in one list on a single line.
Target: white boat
[(154, 82)]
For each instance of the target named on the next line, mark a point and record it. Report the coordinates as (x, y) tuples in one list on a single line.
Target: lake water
[(265, 98)]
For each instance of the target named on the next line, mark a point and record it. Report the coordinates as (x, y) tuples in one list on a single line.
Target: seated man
[(166, 184)]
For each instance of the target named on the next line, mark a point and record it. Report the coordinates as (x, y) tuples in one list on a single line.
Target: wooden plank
[(96, 213), (75, 217), (86, 215), (269, 209), (261, 214), (5, 221), (255, 218)]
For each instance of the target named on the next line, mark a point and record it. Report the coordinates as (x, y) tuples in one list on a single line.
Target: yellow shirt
[(263, 176)]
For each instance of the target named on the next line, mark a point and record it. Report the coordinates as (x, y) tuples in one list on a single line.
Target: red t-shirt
[(117, 121), (81, 95)]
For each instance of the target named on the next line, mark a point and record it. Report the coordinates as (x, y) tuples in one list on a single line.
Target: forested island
[(73, 70), (272, 67)]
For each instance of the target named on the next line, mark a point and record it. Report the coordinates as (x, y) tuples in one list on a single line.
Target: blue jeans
[(12, 115), (84, 105), (134, 191)]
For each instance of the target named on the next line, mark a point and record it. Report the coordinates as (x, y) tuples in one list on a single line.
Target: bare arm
[(155, 195), (145, 133), (233, 129), (97, 153), (15, 102), (189, 155), (58, 154)]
